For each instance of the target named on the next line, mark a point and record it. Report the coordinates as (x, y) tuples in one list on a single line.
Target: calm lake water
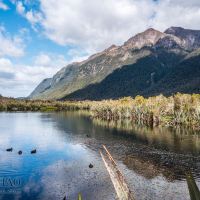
[(154, 161)]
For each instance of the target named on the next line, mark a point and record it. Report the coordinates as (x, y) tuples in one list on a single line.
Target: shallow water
[(154, 161)]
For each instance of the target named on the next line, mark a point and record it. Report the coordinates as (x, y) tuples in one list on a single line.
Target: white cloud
[(86, 25), (77, 55), (24, 80), (32, 16), (10, 46), (177, 13), (20, 7), (50, 60), (94, 25), (43, 59), (19, 79), (5, 62), (3, 6)]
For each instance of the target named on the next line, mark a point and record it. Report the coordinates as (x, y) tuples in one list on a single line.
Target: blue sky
[(39, 37)]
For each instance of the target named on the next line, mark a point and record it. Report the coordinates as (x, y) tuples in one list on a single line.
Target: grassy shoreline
[(180, 109)]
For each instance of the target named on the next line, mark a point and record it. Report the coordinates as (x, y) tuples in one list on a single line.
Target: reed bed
[(179, 109), (9, 104)]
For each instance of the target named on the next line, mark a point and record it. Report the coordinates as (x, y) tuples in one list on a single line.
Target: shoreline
[(180, 109)]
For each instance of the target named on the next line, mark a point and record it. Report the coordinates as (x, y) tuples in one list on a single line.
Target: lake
[(154, 161)]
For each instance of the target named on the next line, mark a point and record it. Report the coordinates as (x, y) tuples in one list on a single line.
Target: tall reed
[(179, 109), (182, 109)]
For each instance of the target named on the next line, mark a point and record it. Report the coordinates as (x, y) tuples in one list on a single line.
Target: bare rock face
[(97, 67), (190, 38), (146, 38), (65, 74), (44, 85), (169, 42)]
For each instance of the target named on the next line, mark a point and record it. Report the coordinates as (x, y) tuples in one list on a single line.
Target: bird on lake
[(9, 149), (33, 151), (87, 135), (20, 152), (90, 165)]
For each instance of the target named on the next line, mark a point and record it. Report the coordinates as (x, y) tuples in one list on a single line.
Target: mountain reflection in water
[(154, 161)]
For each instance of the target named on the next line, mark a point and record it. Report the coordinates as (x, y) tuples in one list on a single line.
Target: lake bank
[(180, 109)]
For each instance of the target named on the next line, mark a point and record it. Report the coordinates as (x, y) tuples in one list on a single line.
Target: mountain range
[(149, 63)]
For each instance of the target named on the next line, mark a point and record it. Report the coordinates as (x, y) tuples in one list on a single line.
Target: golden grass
[(180, 109), (173, 110)]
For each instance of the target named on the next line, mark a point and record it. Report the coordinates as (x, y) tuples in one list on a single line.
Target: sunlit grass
[(179, 109)]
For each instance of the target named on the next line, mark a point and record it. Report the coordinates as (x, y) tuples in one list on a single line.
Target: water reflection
[(170, 152), (178, 139), (154, 160), (159, 150), (48, 173)]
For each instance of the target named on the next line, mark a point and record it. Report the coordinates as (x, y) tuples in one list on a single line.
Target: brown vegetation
[(180, 109)]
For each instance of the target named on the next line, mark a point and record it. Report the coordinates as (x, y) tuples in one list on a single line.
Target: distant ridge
[(129, 69)]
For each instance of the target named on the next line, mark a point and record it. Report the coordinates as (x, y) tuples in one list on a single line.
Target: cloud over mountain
[(64, 30), (95, 25)]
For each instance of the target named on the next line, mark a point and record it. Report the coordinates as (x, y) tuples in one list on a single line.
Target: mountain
[(44, 85), (142, 65), (162, 72), (80, 74), (190, 38)]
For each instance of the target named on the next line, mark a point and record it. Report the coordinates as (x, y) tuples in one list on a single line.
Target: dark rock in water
[(33, 151), (20, 152), (90, 165), (10, 149)]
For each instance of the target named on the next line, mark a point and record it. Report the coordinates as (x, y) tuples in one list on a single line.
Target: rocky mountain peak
[(146, 38), (150, 31), (190, 38), (173, 30), (112, 47)]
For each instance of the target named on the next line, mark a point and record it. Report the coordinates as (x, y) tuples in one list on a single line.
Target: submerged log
[(117, 178), (192, 186)]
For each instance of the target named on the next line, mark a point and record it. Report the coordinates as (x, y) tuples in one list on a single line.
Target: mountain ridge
[(155, 77), (78, 75)]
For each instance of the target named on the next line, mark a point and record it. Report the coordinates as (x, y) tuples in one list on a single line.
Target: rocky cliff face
[(96, 68), (190, 38), (44, 85), (146, 38)]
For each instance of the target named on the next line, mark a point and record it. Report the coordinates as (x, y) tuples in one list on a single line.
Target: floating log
[(117, 178)]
